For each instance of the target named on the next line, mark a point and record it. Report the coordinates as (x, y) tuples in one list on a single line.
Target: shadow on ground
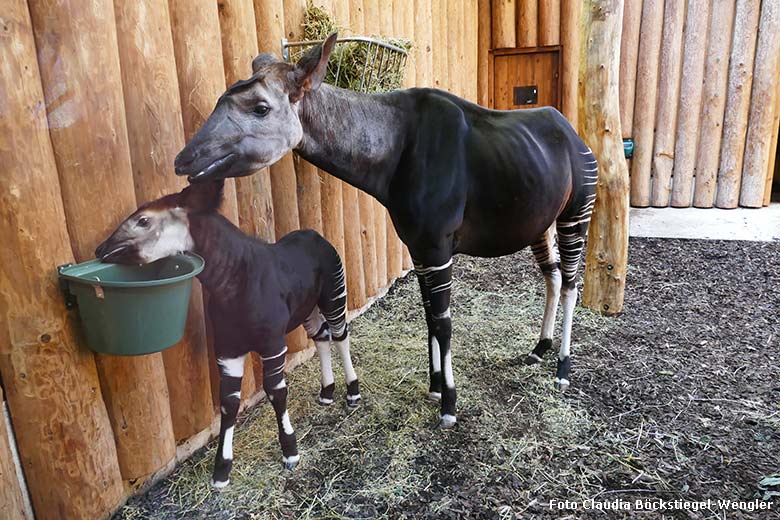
[(675, 398)]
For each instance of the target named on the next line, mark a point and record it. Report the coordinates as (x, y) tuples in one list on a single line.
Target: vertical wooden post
[(77, 41), (607, 257), (772, 169), (716, 69), (504, 24), (527, 23), (381, 218), (646, 100), (571, 18), (62, 429), (629, 52), (374, 21), (549, 22), (732, 148), (307, 176), (423, 41), (763, 98), (11, 498), (484, 17), (471, 19), (270, 27), (668, 97), (689, 109), (331, 187), (155, 133), (199, 66)]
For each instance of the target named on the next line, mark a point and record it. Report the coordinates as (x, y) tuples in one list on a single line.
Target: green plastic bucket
[(132, 310)]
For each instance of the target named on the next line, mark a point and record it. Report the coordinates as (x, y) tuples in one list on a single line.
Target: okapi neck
[(224, 248), (355, 137)]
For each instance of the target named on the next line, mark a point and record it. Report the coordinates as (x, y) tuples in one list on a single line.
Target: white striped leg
[(545, 253), (317, 328), (438, 283), (231, 371), (571, 241), (434, 355), (276, 389), (353, 385)]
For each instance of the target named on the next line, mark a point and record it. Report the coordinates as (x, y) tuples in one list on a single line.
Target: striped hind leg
[(333, 306), (545, 253), (571, 241)]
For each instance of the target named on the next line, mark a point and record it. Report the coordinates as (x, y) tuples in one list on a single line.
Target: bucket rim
[(197, 262)]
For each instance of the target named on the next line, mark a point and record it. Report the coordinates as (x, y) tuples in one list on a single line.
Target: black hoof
[(353, 401), (326, 395), (532, 359), (539, 351), (562, 374)]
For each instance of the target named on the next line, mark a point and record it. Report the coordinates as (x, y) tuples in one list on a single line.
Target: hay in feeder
[(360, 66)]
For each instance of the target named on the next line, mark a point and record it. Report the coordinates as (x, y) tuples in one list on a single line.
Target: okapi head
[(160, 228), (256, 120)]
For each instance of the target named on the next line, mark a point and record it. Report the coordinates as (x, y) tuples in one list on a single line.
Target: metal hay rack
[(357, 63)]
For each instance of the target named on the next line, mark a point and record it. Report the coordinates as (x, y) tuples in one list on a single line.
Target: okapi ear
[(266, 58), (310, 70), (202, 198)]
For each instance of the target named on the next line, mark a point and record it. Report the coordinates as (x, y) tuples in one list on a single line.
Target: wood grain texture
[(740, 84), (79, 63), (484, 45), (571, 16), (629, 52), (646, 100), (523, 69), (423, 41), (716, 70), (51, 383), (763, 98), (31, 311), (773, 151), (549, 22), (607, 255), (668, 100), (504, 22), (155, 135), (689, 107), (199, 66), (11, 499), (527, 23)]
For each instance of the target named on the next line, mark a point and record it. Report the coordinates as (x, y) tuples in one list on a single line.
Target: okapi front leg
[(276, 389), (434, 357), (438, 282), (231, 371), (546, 255)]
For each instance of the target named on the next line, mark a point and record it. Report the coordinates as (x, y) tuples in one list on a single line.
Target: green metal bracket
[(628, 148)]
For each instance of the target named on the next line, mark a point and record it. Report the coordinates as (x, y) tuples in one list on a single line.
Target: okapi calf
[(258, 292)]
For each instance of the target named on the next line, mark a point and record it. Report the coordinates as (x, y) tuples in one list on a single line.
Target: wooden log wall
[(695, 80), (694, 98), (102, 96)]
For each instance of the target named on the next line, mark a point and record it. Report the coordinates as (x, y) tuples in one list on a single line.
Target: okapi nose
[(101, 249), (179, 162)]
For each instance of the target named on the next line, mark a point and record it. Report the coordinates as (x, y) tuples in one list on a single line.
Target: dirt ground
[(677, 398)]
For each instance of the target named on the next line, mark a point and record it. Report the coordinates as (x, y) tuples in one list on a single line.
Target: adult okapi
[(454, 176)]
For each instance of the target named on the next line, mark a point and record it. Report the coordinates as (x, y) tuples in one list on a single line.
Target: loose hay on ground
[(675, 398)]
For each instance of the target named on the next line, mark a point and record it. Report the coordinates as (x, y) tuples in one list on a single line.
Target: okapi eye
[(143, 222), (261, 110)]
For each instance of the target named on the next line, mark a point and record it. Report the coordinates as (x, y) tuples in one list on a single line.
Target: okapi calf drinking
[(258, 292)]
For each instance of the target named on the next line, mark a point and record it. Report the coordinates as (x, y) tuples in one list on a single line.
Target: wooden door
[(526, 78)]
